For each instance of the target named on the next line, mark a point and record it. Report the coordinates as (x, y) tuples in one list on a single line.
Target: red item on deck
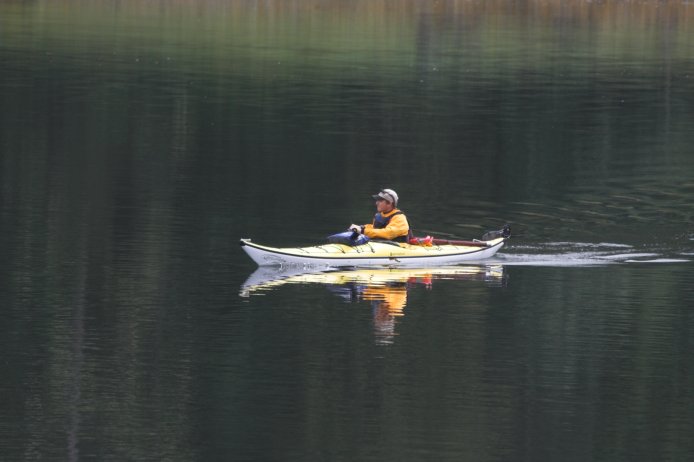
[(425, 241)]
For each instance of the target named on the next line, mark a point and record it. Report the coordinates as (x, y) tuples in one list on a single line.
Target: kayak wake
[(578, 254)]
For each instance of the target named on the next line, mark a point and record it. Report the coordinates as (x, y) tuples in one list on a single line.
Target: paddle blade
[(505, 232)]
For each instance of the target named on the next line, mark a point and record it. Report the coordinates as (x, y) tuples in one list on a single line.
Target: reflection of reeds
[(378, 24), (547, 10)]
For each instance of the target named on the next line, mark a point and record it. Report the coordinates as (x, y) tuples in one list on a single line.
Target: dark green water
[(140, 140)]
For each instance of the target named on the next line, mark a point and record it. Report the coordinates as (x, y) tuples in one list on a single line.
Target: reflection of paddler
[(388, 302), (391, 298)]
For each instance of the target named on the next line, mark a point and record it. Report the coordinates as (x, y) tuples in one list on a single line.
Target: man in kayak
[(389, 223)]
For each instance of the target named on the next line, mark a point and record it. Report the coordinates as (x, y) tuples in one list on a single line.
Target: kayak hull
[(371, 254)]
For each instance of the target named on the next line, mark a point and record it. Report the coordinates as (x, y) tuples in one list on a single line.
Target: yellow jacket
[(398, 226)]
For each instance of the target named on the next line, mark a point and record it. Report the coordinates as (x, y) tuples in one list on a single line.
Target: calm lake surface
[(140, 140)]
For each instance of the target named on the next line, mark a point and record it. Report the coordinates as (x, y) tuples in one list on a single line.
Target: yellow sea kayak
[(373, 253)]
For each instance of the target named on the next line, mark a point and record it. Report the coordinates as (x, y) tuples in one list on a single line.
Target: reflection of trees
[(259, 71), (595, 372), (86, 223), (479, 93), (99, 368)]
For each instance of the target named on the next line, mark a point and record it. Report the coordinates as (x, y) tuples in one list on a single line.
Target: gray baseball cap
[(387, 194)]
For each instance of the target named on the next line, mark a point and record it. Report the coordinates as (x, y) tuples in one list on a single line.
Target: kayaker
[(389, 223)]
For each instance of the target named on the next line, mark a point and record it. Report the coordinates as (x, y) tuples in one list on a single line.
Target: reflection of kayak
[(269, 278), (385, 289), (373, 254)]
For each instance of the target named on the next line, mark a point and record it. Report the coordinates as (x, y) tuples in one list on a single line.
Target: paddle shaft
[(465, 243)]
